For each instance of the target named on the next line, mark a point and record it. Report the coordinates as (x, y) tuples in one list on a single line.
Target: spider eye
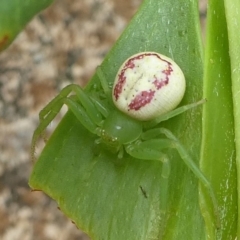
[(148, 85)]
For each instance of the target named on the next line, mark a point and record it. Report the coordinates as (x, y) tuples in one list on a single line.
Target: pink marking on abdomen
[(141, 100), (119, 86), (157, 83), (122, 78), (145, 97), (168, 70), (161, 83)]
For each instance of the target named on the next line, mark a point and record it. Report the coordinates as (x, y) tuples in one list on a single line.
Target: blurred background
[(64, 44)]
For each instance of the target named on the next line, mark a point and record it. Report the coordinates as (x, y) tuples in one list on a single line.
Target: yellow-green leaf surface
[(14, 15), (218, 158), (233, 26), (116, 199)]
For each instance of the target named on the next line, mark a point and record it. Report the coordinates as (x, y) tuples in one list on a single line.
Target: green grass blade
[(114, 199), (233, 25), (218, 148), (14, 15)]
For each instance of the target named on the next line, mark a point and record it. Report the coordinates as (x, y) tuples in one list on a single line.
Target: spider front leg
[(175, 143), (81, 106)]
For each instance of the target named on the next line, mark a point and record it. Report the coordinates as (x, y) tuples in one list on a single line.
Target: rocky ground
[(61, 45)]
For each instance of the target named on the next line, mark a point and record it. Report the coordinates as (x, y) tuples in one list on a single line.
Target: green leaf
[(14, 15), (118, 199), (233, 25), (218, 159)]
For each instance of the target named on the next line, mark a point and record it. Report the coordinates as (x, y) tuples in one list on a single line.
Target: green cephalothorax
[(118, 129), (147, 89), (122, 127)]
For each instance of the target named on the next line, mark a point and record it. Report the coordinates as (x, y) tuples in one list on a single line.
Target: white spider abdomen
[(148, 85)]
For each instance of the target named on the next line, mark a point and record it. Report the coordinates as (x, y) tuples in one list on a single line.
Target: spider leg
[(80, 104), (82, 97), (173, 113), (151, 150), (52, 104), (102, 107), (103, 82), (175, 143)]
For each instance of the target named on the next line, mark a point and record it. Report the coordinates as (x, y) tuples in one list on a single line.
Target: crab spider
[(147, 89)]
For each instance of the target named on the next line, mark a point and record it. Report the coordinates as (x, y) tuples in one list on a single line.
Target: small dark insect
[(143, 192)]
